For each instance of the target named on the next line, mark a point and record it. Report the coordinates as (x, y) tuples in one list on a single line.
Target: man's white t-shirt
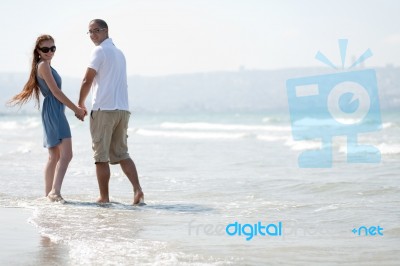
[(110, 86)]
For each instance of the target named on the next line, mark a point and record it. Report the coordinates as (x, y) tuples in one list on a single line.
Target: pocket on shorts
[(92, 114), (96, 142), (97, 134)]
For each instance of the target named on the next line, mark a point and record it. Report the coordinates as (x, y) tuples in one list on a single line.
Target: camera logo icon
[(338, 104)]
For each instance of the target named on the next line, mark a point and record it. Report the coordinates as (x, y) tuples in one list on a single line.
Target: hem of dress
[(56, 144)]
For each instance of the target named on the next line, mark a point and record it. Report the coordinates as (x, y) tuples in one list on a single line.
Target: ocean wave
[(306, 122), (272, 120), (20, 125), (389, 149), (224, 127), (208, 135), (190, 134), (303, 145), (270, 138), (388, 125), (384, 148)]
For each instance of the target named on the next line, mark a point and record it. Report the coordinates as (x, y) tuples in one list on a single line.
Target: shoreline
[(22, 244)]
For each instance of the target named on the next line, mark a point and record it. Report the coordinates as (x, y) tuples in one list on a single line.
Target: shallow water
[(201, 173)]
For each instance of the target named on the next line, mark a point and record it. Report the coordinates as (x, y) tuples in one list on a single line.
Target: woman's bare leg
[(65, 150), (49, 171)]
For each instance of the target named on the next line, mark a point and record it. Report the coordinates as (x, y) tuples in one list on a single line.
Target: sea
[(220, 189)]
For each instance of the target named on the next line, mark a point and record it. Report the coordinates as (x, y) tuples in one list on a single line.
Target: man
[(110, 110)]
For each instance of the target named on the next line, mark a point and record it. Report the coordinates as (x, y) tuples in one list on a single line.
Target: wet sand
[(22, 244)]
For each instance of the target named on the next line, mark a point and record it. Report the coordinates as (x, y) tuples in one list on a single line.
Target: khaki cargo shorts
[(109, 130)]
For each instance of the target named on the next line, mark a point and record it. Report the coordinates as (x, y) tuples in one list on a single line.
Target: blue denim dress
[(55, 123)]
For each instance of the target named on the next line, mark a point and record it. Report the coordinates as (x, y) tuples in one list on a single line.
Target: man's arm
[(85, 87)]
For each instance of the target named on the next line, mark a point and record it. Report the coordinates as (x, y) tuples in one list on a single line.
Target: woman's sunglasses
[(47, 49)]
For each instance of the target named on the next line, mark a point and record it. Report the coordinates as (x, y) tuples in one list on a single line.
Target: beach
[(220, 190)]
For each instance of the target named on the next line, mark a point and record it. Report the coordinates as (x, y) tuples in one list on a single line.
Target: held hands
[(81, 113)]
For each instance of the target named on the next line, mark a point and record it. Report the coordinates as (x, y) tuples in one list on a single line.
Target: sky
[(163, 37)]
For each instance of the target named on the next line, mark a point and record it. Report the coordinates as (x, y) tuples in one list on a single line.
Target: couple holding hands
[(106, 76)]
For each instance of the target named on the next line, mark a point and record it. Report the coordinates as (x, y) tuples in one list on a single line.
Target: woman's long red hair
[(31, 88)]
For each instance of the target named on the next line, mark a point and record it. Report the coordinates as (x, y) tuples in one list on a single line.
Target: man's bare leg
[(103, 178), (129, 168)]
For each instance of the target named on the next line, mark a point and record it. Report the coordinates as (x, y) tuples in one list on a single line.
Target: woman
[(57, 133)]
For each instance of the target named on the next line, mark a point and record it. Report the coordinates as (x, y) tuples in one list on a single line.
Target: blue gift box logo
[(338, 104)]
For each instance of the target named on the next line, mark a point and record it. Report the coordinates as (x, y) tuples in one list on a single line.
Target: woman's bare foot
[(138, 198)]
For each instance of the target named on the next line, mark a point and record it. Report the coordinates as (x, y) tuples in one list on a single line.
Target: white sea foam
[(271, 138), (190, 134), (108, 231), (267, 119), (29, 123), (303, 145), (384, 148), (387, 125), (306, 122), (389, 148), (134, 252), (225, 127), (313, 122)]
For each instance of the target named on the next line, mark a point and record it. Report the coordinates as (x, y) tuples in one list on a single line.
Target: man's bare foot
[(55, 198), (138, 198), (103, 200)]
